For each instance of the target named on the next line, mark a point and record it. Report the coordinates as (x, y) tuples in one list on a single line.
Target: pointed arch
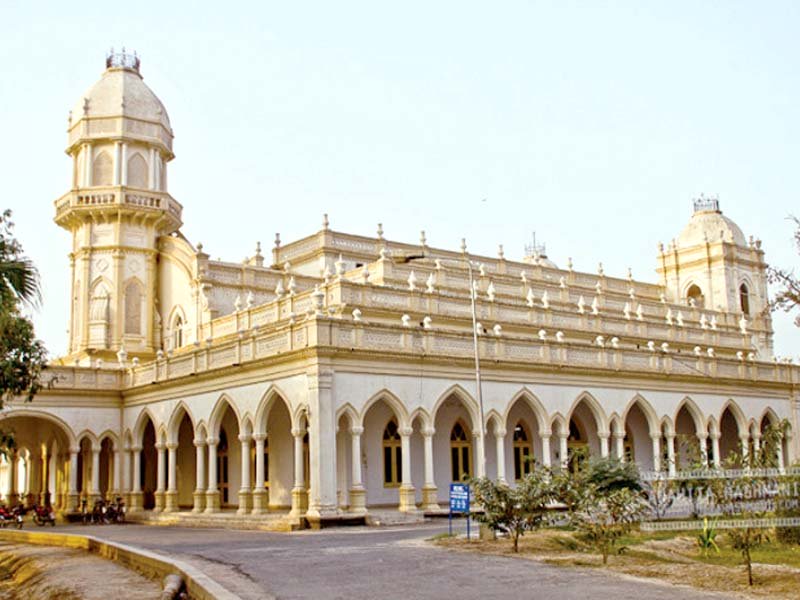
[(647, 410), (102, 169), (176, 324), (300, 417), (616, 424), (694, 413), (392, 401), (88, 435), (111, 435), (495, 421), (666, 426), (218, 412), (141, 423), (11, 412), (201, 433), (713, 426), (137, 171), (560, 423), (348, 411), (423, 416), (527, 396), (268, 399), (466, 399), (246, 425), (738, 415), (594, 407), (127, 438), (175, 419)]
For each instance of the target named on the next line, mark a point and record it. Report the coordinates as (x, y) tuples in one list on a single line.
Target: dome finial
[(122, 60), (703, 204)]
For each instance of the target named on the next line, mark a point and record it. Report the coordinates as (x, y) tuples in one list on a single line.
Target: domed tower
[(120, 141), (711, 265)]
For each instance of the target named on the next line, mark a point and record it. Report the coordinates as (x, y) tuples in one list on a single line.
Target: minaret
[(120, 141)]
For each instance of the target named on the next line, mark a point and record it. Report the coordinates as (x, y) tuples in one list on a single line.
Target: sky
[(593, 124)]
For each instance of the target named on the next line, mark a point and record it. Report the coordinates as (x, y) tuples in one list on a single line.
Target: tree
[(603, 498), (788, 295), (518, 509), (22, 356)]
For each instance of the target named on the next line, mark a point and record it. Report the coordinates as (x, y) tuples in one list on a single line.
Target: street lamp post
[(478, 387)]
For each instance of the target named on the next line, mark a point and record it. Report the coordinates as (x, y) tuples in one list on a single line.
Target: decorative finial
[(500, 254), (277, 240), (199, 247), (569, 264), (258, 249), (422, 239), (463, 245), (325, 222), (380, 231)]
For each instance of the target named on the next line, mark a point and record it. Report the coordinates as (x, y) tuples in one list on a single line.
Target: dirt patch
[(48, 572)]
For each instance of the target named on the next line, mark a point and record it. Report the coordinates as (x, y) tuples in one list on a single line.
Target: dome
[(121, 92), (709, 224)]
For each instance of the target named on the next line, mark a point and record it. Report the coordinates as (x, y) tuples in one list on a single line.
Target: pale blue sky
[(592, 123)]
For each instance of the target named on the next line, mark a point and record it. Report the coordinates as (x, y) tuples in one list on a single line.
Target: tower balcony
[(108, 202)]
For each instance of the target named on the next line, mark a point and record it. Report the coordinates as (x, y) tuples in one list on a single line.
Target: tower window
[(102, 169), (694, 296), (523, 452), (744, 298), (177, 332), (392, 455)]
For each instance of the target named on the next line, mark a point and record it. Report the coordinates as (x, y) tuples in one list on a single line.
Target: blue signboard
[(459, 503), (459, 497)]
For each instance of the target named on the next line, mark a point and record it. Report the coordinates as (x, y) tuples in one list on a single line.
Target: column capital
[(656, 437), (199, 443), (356, 430), (136, 448), (72, 450), (298, 431), (604, 435), (212, 441), (259, 437), (618, 435), (757, 435), (702, 436), (172, 446), (500, 432), (429, 432), (715, 436), (545, 434), (159, 446), (244, 437), (405, 431)]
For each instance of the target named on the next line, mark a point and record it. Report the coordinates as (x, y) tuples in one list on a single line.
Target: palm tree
[(19, 279)]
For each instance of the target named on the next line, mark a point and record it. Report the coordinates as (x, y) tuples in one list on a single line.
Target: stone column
[(244, 490), (656, 439), (94, 492), (260, 497), (73, 500), (715, 449), (408, 501), (212, 493), (171, 498), (744, 443), (779, 452), (136, 494), (199, 494), (757, 443), (619, 445), (117, 487), (479, 454), (161, 473), (323, 501), (500, 442), (603, 443), (563, 449), (299, 495), (672, 466), (702, 441), (430, 502), (358, 499), (545, 448)]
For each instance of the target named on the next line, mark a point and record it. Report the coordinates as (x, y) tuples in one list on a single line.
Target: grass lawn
[(668, 556)]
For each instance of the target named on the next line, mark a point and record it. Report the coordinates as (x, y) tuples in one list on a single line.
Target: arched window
[(177, 332), (133, 308), (460, 449), (137, 171), (744, 298), (694, 296), (523, 451), (102, 168), (392, 456), (577, 445)]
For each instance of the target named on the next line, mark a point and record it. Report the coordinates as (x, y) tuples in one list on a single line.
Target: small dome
[(709, 224), (121, 93)]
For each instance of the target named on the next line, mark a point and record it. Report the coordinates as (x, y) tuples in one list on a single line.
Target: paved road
[(367, 563)]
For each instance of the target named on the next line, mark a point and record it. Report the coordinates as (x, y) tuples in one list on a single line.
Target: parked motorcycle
[(42, 515), (115, 512), (12, 516)]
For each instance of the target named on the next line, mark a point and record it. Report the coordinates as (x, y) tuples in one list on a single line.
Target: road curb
[(149, 564)]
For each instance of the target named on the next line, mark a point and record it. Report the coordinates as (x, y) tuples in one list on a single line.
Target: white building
[(336, 374)]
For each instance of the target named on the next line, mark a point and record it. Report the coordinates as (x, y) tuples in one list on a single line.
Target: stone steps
[(224, 520)]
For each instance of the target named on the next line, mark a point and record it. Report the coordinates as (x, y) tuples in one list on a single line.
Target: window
[(460, 450), (177, 332), (392, 456), (694, 296), (577, 445), (137, 171), (133, 308), (523, 452), (102, 169), (744, 298)]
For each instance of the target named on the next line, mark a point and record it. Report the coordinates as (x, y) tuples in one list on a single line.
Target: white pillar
[(744, 441), (715, 448), (430, 501), (117, 163), (779, 452), (407, 493), (117, 472), (619, 445), (355, 433), (671, 454), (603, 444), (95, 490), (545, 448), (244, 490), (656, 439), (563, 450), (500, 440), (212, 493), (199, 475), (152, 169), (124, 177), (172, 475), (299, 495), (702, 440), (479, 453), (258, 485), (137, 470), (757, 443), (87, 165), (72, 490)]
